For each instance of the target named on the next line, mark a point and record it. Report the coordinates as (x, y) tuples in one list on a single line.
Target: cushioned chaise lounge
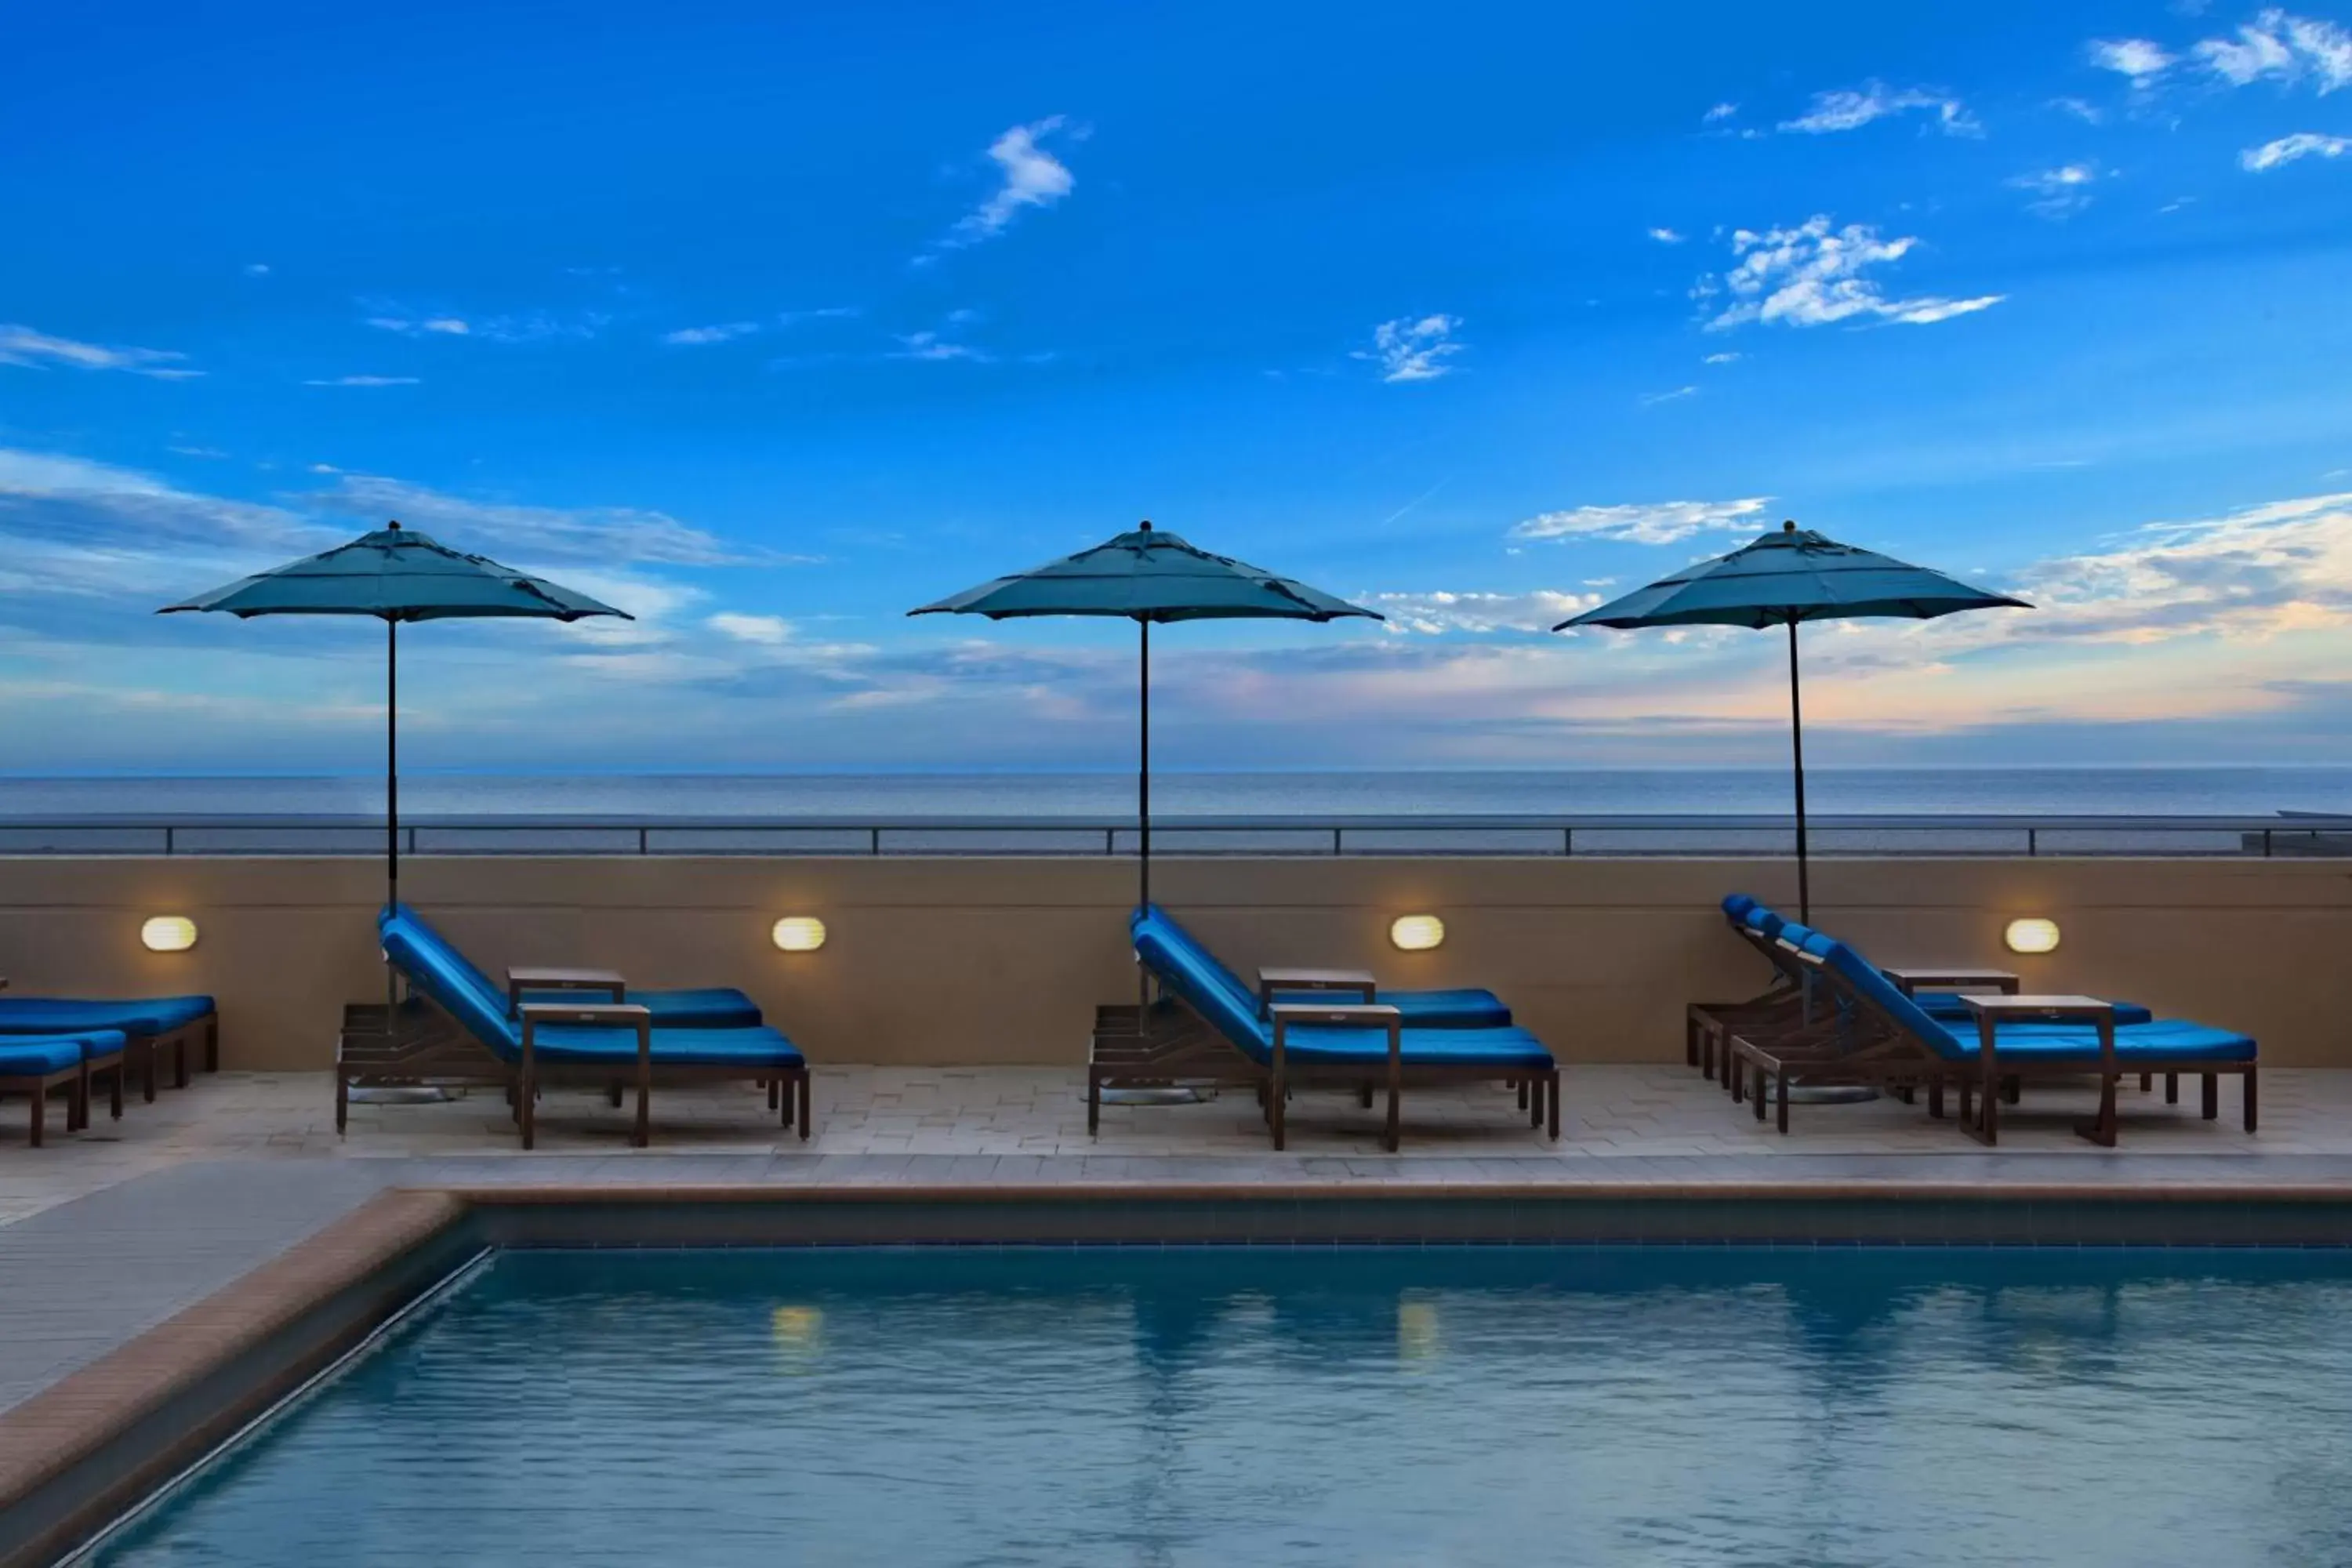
[(598, 1044), (712, 1007), (1706, 1025), (1279, 1046), (151, 1027), (38, 1066), (1875, 1034)]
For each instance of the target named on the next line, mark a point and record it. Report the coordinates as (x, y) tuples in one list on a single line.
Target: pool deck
[(108, 1234)]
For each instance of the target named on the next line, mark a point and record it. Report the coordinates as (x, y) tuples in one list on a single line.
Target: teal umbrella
[(1147, 576), (396, 574), (1786, 578)]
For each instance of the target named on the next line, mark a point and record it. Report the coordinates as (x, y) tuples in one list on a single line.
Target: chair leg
[(2101, 1128), (40, 1097), (180, 1061), (803, 1084), (526, 1113), (1093, 1101), (2172, 1088), (1935, 1097), (1276, 1093), (1396, 1095), (645, 1130), (77, 1100), (1780, 1099), (343, 1101), (147, 1070), (1364, 1095), (2250, 1098), (2147, 1082), (613, 1094), (2213, 1106), (114, 1092), (211, 1046), (1522, 1087), (1552, 1114)]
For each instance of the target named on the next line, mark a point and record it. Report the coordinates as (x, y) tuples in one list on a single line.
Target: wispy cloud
[(2282, 48), (1813, 274), (723, 332), (1652, 399), (444, 326), (24, 346), (1719, 113), (1651, 522), (1028, 175), (1728, 356), (2287, 149), (1435, 614), (364, 380), (930, 345), (256, 269), (1666, 237), (584, 534), (1851, 109), (821, 313), (2059, 193), (2141, 59), (769, 631), (1412, 348), (2089, 113)]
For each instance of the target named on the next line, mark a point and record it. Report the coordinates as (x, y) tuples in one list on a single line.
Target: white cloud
[(1812, 275), (1721, 111), (931, 346), (718, 334), (1850, 109), (1434, 615), (210, 453), (256, 269), (768, 631), (2061, 191), (1412, 350), (444, 326), (364, 380), (1652, 399), (1030, 177), (2278, 47), (1666, 237), (589, 534), (821, 313), (2287, 149), (516, 327), (1729, 356), (24, 346), (1653, 522), (2089, 113), (2141, 59)]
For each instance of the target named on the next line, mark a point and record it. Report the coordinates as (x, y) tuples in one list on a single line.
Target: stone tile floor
[(1612, 1111)]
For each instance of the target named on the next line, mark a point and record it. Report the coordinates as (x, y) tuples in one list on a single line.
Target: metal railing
[(1592, 836)]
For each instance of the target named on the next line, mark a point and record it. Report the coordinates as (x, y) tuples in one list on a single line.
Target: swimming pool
[(1318, 1406)]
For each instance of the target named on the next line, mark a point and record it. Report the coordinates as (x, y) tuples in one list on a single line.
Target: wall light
[(2036, 935), (1416, 933), (798, 933), (168, 933)]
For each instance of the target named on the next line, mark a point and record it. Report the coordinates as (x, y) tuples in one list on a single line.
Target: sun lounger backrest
[(1861, 980), (458, 988), (1206, 986), (450, 953), (1764, 921), (1737, 905)]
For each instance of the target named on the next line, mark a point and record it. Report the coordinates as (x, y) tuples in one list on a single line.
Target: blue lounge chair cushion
[(1425, 1009), (465, 994), (1950, 1007), (39, 1056), (140, 1015), (719, 1007), (2152, 1044), (1328, 1045), (574, 1044), (1463, 1009), (1737, 905), (1230, 1009)]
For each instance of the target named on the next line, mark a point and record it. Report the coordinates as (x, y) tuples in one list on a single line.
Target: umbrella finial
[(394, 525), (1788, 525)]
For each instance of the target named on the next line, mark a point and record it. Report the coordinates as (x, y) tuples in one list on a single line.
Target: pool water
[(1235, 1407)]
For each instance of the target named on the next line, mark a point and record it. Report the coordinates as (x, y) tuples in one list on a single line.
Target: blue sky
[(771, 322)]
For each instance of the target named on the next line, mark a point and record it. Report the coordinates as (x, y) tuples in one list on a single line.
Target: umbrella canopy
[(396, 574), (1147, 576), (1784, 579)]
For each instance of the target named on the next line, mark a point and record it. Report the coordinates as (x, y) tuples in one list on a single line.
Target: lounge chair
[(1239, 1037), (713, 1007), (603, 1044), (1875, 1034), (38, 1066), (151, 1025), (1706, 1025)]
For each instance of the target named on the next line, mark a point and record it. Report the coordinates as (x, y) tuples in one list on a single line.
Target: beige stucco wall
[(967, 960)]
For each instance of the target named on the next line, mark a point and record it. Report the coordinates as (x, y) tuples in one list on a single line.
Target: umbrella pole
[(1143, 798), (1797, 739), (391, 802)]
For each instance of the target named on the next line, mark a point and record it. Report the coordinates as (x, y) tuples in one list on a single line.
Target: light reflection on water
[(1315, 1406)]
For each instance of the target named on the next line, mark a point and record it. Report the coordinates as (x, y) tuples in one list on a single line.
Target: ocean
[(865, 797)]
